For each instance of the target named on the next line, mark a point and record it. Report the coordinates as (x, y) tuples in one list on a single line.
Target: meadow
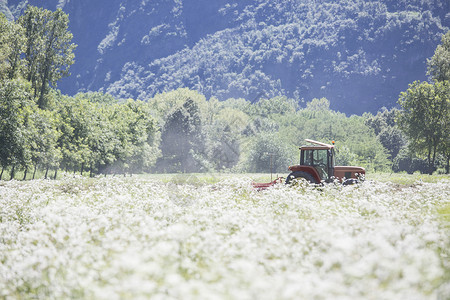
[(215, 237)]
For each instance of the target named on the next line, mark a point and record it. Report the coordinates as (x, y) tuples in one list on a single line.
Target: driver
[(320, 167)]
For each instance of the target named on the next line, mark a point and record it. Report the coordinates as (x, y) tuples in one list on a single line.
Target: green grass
[(444, 212), (405, 179)]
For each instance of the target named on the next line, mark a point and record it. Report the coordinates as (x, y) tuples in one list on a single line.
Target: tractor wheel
[(299, 175)]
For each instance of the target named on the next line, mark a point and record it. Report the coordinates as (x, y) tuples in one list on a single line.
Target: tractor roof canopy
[(317, 146)]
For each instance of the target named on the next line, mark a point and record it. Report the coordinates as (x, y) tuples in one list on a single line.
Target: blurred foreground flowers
[(126, 238)]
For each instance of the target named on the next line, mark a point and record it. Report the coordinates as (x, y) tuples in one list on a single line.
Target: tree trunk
[(82, 167), (430, 169), (25, 174), (13, 169), (447, 167), (1, 174), (56, 173), (433, 159), (46, 172), (35, 169), (42, 102)]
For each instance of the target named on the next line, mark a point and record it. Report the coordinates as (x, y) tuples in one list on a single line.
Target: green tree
[(439, 64), (16, 124), (48, 49), (76, 119), (137, 133), (94, 137), (224, 137), (439, 69), (393, 140), (45, 151), (101, 135), (317, 105), (444, 147), (12, 40), (423, 118), (268, 153), (387, 131), (181, 142)]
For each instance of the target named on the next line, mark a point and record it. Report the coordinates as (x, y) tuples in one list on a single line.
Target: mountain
[(358, 54)]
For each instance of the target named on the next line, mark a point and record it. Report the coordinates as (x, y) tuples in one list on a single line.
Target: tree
[(75, 115), (439, 64), (12, 40), (321, 104), (392, 139), (223, 138), (45, 151), (181, 142), (16, 124), (268, 153), (48, 49), (387, 131), (439, 69), (136, 132), (408, 162), (444, 146), (423, 119)]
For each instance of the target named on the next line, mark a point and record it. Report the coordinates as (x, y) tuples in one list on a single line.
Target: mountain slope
[(358, 54)]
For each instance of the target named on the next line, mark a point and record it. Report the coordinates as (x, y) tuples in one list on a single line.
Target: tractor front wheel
[(298, 175)]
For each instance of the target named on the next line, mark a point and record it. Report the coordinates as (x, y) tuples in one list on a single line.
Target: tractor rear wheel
[(298, 175)]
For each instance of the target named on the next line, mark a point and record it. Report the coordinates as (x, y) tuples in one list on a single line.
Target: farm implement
[(317, 166)]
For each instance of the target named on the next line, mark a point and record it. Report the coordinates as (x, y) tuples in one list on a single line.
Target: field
[(194, 237)]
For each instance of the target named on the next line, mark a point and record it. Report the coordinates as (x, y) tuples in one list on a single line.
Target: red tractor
[(317, 165)]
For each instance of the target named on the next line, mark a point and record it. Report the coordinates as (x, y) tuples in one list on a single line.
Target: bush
[(265, 151)]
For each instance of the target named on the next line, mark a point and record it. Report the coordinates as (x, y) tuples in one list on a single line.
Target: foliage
[(16, 124), (105, 137), (45, 149), (96, 133), (48, 49), (439, 64), (426, 112), (42, 128), (439, 68), (424, 117), (407, 161), (181, 139), (385, 127), (12, 42), (268, 153), (238, 135), (223, 138)]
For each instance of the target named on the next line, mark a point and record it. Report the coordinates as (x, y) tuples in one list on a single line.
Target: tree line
[(42, 130)]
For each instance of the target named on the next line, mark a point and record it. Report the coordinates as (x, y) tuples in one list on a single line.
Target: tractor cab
[(319, 157), (317, 165)]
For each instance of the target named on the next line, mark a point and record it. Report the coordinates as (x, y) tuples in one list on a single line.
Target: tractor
[(317, 165)]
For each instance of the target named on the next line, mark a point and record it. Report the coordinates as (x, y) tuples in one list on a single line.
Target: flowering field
[(140, 237)]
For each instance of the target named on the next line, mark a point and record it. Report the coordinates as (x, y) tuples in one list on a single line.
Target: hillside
[(358, 54)]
